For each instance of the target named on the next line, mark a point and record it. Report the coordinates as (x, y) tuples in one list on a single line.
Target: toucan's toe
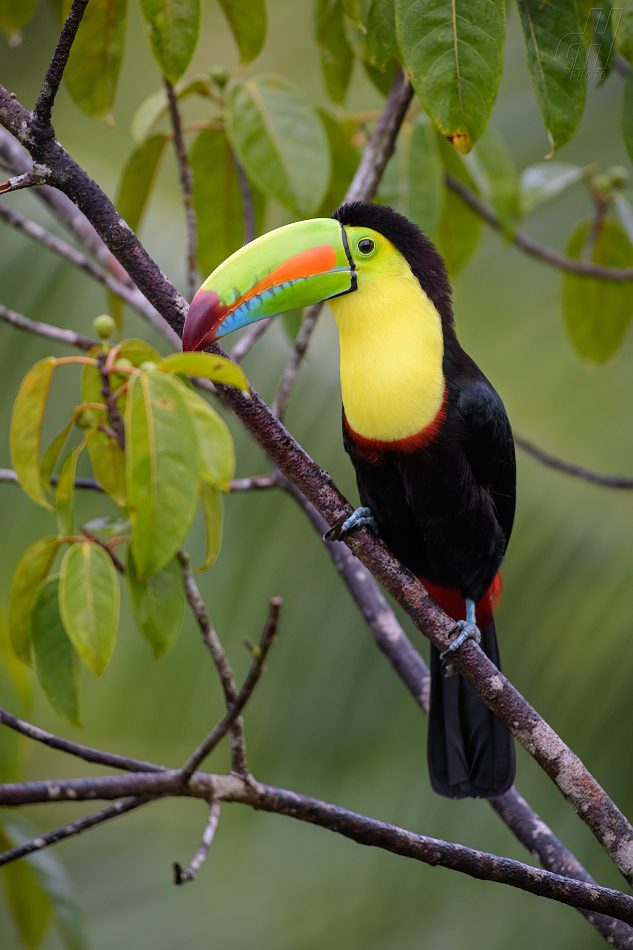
[(361, 518)]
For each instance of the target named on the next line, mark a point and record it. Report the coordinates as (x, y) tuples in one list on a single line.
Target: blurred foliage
[(329, 719)]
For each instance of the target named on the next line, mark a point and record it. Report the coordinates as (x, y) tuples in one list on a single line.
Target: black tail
[(470, 751)]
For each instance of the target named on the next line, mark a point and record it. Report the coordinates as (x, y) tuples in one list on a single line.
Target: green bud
[(220, 76), (149, 366), (104, 326), (618, 175), (86, 419), (124, 363)]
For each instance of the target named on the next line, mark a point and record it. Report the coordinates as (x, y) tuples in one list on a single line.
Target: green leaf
[(247, 19), (624, 31), (155, 106), (161, 471), (89, 603), (280, 141), (173, 27), (291, 321), (382, 44), (217, 199), (545, 180), (598, 312), (453, 51), (51, 456), (137, 352), (65, 494), (211, 498), (494, 167), (551, 34), (33, 567), (95, 59), (158, 604), (26, 428), (218, 369), (603, 40), (353, 11), (460, 226), (627, 113), (337, 56), (52, 878), (137, 179), (56, 662), (28, 902), (217, 454), (14, 14), (426, 183), (15, 670), (106, 458), (382, 79), (345, 160)]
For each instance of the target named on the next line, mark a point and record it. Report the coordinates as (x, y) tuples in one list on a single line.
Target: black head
[(421, 255)]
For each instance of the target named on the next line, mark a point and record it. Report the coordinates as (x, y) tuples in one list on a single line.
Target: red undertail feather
[(453, 604)]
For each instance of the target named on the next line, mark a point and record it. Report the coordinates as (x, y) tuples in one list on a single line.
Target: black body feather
[(446, 511)]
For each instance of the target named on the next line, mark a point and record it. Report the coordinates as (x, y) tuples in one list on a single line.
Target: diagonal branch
[(72, 829), (578, 471), (522, 241), (44, 106), (186, 183), (58, 334), (180, 876), (257, 667)]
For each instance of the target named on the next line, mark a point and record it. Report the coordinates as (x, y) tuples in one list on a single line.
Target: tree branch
[(8, 475), (72, 829), (249, 338), (27, 180), (44, 106), (578, 471), (259, 657), (359, 828), (180, 876), (222, 665), (280, 402), (186, 182), (547, 254), (59, 335)]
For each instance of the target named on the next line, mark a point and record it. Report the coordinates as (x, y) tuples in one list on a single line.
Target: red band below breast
[(453, 604), (373, 450)]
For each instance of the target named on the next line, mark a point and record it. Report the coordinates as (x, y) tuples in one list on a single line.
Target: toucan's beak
[(291, 267)]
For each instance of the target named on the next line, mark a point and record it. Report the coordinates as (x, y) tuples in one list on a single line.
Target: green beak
[(291, 267)]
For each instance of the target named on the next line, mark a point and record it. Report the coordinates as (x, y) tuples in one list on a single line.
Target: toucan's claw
[(360, 518), (468, 630)]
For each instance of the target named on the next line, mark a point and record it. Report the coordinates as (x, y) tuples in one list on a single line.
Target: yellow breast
[(392, 351)]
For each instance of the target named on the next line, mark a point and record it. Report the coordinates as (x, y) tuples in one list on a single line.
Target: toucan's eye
[(366, 246)]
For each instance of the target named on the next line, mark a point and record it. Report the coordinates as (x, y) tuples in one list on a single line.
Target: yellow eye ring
[(366, 246)]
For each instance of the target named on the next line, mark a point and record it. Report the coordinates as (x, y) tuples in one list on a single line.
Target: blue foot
[(362, 517), (468, 630)]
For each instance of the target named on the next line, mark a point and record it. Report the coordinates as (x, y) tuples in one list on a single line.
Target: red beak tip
[(204, 316)]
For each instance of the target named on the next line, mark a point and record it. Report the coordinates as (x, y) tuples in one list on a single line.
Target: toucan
[(427, 434)]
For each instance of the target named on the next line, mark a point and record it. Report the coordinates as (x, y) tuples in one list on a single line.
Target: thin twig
[(249, 338), (74, 828), (180, 876), (186, 182), (58, 334), (255, 482), (109, 759), (8, 475), (28, 180), (248, 211), (129, 293), (547, 254), (578, 471), (259, 657), (114, 414), (282, 397), (222, 665), (44, 106)]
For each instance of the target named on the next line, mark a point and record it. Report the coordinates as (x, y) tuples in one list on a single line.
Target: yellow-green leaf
[(598, 312), (92, 72), (52, 454), (56, 662), (216, 368), (161, 469), (158, 604), (18, 674), (247, 19), (426, 184), (382, 45), (65, 493), (89, 602), (337, 56), (217, 454), (137, 179), (173, 27), (497, 175), (211, 498), (108, 465), (33, 567), (137, 352), (28, 903), (26, 428), (345, 160), (460, 226)]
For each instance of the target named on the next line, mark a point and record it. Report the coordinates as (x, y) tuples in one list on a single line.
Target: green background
[(330, 718)]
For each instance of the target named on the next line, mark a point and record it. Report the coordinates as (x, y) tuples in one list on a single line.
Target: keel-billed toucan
[(427, 434)]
